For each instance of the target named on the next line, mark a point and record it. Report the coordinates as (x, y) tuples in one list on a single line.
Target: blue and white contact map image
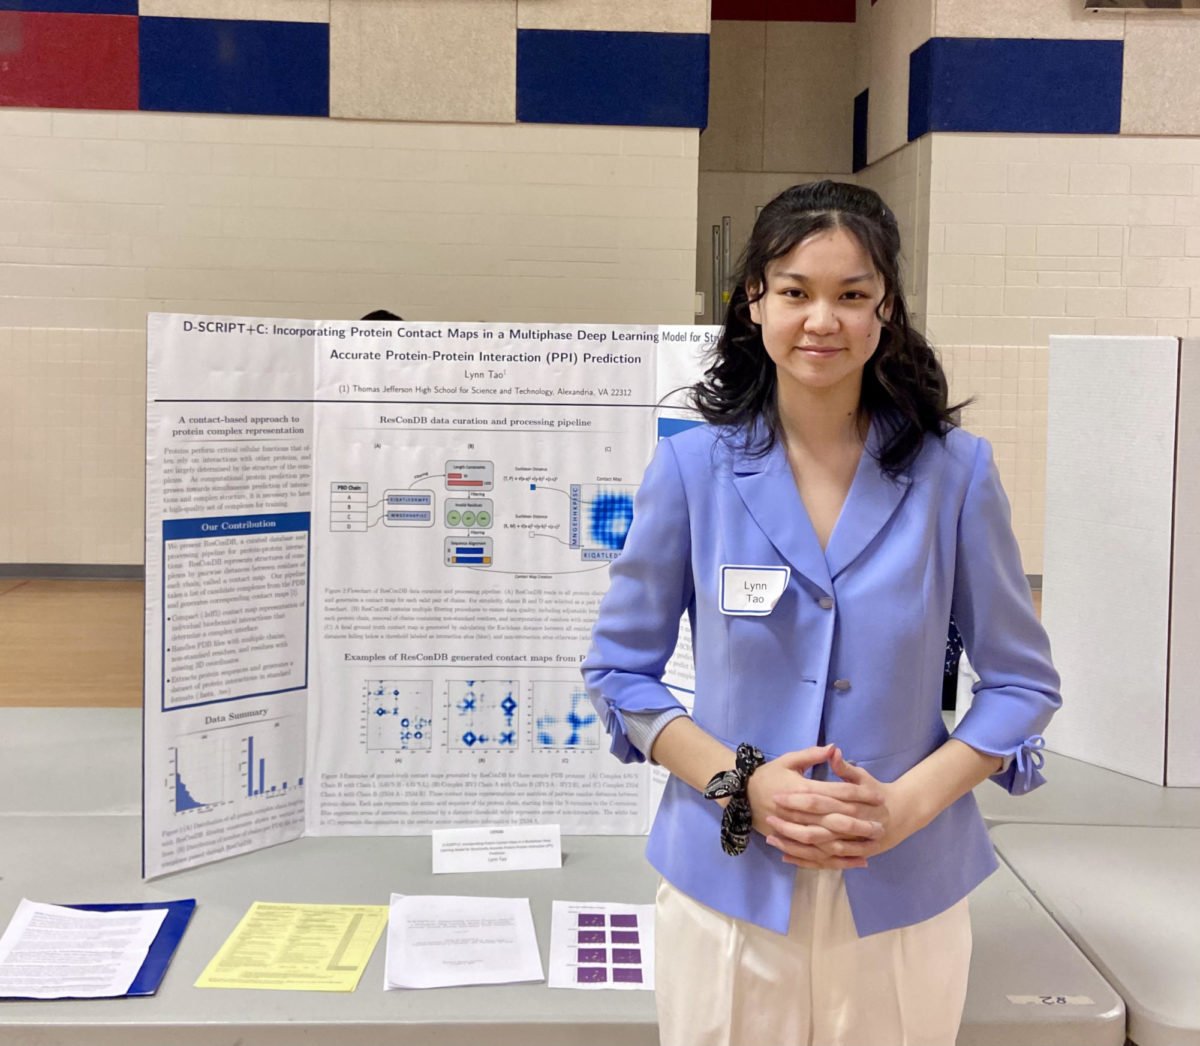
[(399, 715), (482, 714), (564, 717), (600, 519)]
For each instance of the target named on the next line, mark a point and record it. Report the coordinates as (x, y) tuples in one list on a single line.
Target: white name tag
[(752, 590)]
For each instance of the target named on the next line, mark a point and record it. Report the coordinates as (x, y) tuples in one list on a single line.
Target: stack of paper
[(297, 947), (54, 952), (438, 941)]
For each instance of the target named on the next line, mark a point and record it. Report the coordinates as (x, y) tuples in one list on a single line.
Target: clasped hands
[(826, 824)]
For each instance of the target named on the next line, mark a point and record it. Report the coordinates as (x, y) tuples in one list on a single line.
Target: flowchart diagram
[(595, 517)]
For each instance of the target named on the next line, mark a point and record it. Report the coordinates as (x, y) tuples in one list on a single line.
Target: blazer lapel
[(873, 499), (767, 489)]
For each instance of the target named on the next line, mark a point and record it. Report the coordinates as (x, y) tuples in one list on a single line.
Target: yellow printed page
[(298, 947)]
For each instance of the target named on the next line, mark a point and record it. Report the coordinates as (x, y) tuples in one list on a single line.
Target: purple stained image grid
[(625, 937), (590, 936), (622, 920), (628, 974), (627, 955), (591, 975), (593, 955), (591, 920)]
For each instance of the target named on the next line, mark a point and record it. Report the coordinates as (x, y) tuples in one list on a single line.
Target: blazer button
[(841, 684), (825, 602)]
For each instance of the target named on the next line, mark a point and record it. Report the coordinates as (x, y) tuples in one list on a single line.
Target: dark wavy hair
[(904, 387)]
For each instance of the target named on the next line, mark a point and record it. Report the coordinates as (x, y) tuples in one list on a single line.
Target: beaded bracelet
[(737, 819)]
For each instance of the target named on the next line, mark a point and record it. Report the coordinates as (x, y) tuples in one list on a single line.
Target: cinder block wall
[(1066, 202), (508, 159), (472, 159)]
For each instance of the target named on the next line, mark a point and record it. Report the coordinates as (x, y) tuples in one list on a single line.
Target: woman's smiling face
[(820, 315)]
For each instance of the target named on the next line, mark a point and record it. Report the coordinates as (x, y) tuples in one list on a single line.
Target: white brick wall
[(72, 424), (902, 179), (887, 34), (106, 216), (1083, 235)]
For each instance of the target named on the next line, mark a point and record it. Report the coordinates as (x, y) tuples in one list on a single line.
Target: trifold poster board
[(1121, 578), (374, 553)]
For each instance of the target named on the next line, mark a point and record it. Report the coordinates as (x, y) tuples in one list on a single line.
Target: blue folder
[(162, 948)]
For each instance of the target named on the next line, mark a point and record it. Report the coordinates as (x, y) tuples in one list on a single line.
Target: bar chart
[(196, 783), (229, 764), (271, 761)]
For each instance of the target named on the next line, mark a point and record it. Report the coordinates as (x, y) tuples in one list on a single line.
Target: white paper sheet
[(509, 848), (52, 952), (596, 944), (438, 941)]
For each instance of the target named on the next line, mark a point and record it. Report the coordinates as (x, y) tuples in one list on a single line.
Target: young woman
[(818, 533)]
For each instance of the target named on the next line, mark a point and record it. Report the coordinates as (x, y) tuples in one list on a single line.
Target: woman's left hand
[(812, 844)]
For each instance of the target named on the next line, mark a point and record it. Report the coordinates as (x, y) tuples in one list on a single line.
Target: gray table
[(74, 859), (95, 858), (1130, 898), (1020, 952), (1080, 793), (70, 760)]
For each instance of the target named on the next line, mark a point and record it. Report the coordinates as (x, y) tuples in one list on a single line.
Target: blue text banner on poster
[(223, 526)]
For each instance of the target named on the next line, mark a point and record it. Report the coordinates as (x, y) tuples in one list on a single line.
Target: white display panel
[(1183, 704), (1106, 601), (374, 556)]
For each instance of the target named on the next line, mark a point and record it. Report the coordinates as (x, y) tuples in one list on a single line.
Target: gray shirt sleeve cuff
[(643, 728)]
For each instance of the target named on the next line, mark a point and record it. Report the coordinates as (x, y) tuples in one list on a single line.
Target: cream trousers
[(723, 982)]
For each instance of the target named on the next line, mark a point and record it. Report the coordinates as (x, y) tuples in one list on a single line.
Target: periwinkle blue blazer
[(852, 653)]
